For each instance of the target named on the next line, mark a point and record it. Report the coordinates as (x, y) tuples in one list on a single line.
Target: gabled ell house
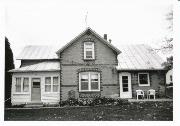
[(88, 66)]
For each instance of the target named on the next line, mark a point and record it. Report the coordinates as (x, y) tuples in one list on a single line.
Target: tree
[(9, 64), (166, 45), (169, 63)]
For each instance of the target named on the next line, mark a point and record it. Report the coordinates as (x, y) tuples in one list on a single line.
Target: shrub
[(69, 102), (18, 106), (93, 101)]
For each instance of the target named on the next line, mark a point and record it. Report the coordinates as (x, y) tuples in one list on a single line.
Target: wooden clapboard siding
[(25, 97)]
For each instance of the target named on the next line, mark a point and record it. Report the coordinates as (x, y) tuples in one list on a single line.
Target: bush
[(70, 102), (93, 101), (18, 106)]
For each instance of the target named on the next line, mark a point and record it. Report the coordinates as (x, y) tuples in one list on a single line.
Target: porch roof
[(33, 52), (43, 66), (139, 57)]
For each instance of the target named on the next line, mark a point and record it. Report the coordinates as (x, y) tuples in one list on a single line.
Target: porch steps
[(34, 105)]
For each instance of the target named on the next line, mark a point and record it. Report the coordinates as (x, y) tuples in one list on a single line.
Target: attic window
[(88, 50)]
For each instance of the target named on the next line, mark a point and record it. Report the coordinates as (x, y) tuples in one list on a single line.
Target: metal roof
[(43, 66), (38, 52), (95, 34), (139, 57)]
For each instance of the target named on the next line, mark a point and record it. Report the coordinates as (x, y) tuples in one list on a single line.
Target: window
[(143, 79), (26, 84), (125, 83), (88, 50), (55, 84), (22, 84), (51, 84), (18, 84), (47, 84), (89, 81), (171, 78)]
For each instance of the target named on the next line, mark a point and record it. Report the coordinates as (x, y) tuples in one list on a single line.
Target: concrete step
[(34, 105)]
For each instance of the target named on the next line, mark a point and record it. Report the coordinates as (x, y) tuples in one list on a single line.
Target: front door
[(125, 85), (36, 90)]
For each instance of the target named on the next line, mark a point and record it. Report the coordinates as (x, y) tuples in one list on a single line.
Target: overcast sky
[(44, 22)]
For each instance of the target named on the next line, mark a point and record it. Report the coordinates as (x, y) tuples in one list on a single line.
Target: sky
[(51, 22)]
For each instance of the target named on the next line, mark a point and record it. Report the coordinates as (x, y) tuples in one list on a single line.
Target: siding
[(157, 82), (22, 98)]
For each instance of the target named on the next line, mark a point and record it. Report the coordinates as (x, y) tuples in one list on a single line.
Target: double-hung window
[(26, 84), (88, 50), (89, 81), (22, 84), (55, 84), (47, 84), (143, 79), (18, 84), (51, 84)]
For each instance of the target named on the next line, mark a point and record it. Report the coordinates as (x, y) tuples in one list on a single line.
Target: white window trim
[(22, 91), (55, 84), (144, 84), (51, 84), (93, 56), (89, 82)]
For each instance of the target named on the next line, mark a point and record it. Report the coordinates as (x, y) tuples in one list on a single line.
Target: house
[(169, 83), (88, 66), (169, 77)]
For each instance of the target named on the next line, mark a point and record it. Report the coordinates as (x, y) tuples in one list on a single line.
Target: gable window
[(89, 81), (51, 84), (88, 50), (143, 79), (22, 84)]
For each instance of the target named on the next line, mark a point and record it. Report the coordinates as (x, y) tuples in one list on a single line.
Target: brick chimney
[(105, 36)]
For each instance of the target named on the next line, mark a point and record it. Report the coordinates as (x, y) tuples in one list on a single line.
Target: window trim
[(93, 53), (22, 85), (51, 84), (148, 84), (89, 82)]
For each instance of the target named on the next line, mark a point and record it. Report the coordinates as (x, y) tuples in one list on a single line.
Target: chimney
[(105, 36), (110, 40)]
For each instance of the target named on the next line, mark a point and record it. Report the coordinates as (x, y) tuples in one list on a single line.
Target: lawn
[(150, 111)]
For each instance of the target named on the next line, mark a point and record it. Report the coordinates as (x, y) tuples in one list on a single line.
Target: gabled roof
[(95, 34), (43, 66), (139, 57), (32, 52)]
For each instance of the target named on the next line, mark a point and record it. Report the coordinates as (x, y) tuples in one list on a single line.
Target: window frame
[(22, 85), (51, 84), (171, 78), (92, 49), (148, 84), (47, 84), (55, 84), (89, 82)]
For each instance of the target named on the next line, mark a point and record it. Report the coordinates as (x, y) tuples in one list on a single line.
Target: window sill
[(21, 93), (51, 92), (144, 85), (90, 91), (88, 59)]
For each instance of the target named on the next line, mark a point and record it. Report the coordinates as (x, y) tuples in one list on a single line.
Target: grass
[(150, 111)]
